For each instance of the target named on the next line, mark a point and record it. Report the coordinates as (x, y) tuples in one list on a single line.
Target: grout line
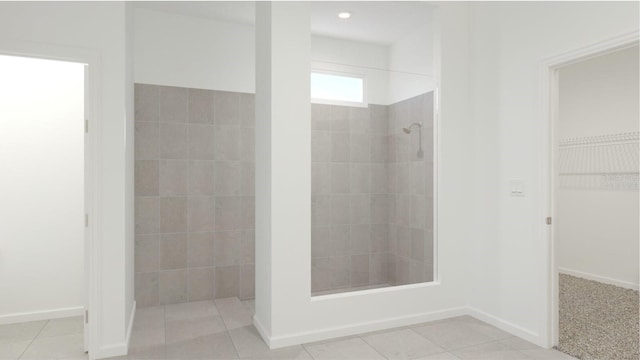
[(34, 339)]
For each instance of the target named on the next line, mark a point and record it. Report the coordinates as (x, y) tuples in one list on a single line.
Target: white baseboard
[(121, 349), (598, 278), (130, 327), (261, 330), (506, 326), (353, 329), (41, 315)]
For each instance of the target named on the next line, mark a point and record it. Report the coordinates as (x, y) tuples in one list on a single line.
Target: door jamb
[(549, 80)]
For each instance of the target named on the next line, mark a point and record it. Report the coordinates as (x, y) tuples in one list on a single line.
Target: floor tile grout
[(34, 339)]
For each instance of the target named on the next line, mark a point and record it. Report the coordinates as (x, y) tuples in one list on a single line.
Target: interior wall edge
[(599, 278), (507, 326)]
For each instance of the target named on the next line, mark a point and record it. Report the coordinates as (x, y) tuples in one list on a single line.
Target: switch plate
[(516, 188)]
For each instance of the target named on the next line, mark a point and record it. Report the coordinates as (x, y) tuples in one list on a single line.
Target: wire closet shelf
[(603, 162)]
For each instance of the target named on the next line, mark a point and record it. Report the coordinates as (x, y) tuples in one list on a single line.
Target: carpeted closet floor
[(598, 321)]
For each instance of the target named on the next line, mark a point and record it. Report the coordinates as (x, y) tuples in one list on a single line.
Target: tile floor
[(47, 339), (223, 330)]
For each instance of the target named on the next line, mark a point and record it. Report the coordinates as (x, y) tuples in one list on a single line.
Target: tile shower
[(194, 171), (372, 198)]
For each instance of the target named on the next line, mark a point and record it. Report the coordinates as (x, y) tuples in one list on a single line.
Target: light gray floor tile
[(490, 351), (441, 356), (550, 354), (182, 330), (56, 347), (21, 331), (66, 326), (233, 313), (250, 345), (454, 334), (147, 352), (519, 344), (352, 349), (150, 317), (12, 349), (402, 344), (190, 311), (218, 346), (147, 337)]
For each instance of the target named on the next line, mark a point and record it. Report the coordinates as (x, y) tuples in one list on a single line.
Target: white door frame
[(549, 73), (90, 58)]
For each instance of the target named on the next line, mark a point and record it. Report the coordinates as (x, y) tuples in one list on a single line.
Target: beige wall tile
[(173, 251), (173, 141), (147, 137), (146, 178), (173, 214), (200, 106), (147, 215), (227, 281), (174, 103), (200, 249), (201, 284), (173, 286), (147, 103)]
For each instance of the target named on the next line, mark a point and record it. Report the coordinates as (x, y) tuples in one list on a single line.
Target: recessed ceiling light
[(344, 15)]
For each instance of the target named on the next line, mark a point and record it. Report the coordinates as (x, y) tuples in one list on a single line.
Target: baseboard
[(506, 326), (598, 278), (261, 330), (118, 349), (130, 327), (41, 315), (359, 328)]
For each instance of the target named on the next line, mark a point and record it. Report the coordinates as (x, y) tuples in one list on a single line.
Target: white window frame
[(363, 77)]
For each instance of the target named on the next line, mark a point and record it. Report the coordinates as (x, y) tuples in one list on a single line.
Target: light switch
[(517, 188)]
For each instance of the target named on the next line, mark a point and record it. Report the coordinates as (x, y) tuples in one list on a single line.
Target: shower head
[(407, 130)]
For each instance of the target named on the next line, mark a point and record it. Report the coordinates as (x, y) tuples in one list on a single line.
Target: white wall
[(186, 51), (597, 230), (412, 64), (509, 42), (285, 312), (97, 29), (353, 57), (42, 152)]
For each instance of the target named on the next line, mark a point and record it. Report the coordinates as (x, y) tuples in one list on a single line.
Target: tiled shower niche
[(194, 187), (372, 196)]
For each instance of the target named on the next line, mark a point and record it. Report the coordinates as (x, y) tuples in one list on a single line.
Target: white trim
[(548, 90), (600, 279), (130, 327), (41, 315), (93, 194), (501, 324), (261, 330), (359, 328)]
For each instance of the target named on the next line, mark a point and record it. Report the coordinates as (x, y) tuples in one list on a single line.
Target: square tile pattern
[(194, 184), (194, 160), (222, 329)]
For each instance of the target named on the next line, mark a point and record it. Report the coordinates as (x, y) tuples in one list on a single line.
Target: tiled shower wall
[(372, 197), (410, 192), (194, 187), (349, 196)]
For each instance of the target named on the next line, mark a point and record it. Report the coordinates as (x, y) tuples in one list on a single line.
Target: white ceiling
[(378, 22)]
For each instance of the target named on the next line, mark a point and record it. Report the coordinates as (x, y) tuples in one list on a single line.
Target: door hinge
[(86, 126), (549, 220), (86, 316), (86, 220)]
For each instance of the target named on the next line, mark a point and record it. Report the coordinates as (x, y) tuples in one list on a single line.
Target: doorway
[(594, 202), (43, 262)]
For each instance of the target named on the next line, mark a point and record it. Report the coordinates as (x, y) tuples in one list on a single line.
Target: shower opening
[(372, 174)]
